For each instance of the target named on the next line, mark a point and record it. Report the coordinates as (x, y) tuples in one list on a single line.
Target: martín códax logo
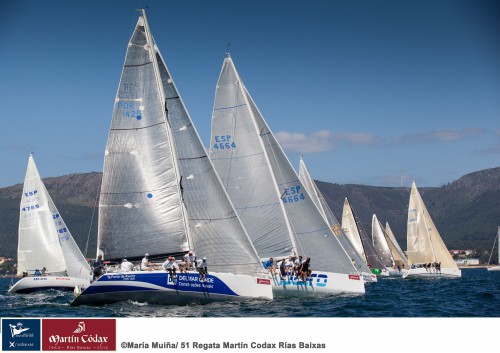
[(20, 335), (78, 334)]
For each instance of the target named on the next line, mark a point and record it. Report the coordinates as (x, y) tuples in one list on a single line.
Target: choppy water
[(476, 294)]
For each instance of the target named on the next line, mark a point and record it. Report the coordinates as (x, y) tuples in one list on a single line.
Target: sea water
[(476, 294)]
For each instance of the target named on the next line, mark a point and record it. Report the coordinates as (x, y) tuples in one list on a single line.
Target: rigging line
[(137, 192), (213, 219), (93, 213)]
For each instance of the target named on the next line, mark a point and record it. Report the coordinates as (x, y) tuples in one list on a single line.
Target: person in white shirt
[(289, 266), (126, 266), (297, 265), (189, 261), (171, 267), (145, 264), (202, 269)]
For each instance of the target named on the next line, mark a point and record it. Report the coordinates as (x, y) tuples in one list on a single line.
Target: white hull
[(320, 283), (159, 288), (494, 268), (424, 273), (369, 277), (396, 273), (39, 283)]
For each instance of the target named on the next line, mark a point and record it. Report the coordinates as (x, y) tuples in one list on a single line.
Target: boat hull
[(369, 277), (40, 283), (160, 288), (320, 283), (423, 273), (494, 268), (396, 273)]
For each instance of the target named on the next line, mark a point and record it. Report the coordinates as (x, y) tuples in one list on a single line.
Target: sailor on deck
[(126, 266)]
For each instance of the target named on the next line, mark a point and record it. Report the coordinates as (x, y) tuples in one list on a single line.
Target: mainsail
[(380, 243), (160, 193), (358, 237), (320, 202), (424, 242), (397, 253), (44, 238), (273, 204)]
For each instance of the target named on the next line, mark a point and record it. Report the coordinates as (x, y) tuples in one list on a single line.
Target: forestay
[(424, 242), (302, 229)]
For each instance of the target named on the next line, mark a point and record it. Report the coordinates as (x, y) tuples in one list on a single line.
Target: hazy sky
[(367, 91)]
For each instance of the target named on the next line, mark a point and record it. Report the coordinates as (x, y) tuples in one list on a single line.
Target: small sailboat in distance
[(427, 253), (495, 267), (381, 243), (47, 255), (161, 195), (360, 240)]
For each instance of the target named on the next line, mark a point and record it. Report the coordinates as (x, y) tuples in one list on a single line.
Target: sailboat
[(425, 246), (161, 195), (320, 202), (381, 243), (360, 241), (45, 243), (397, 253), (496, 267), (275, 208)]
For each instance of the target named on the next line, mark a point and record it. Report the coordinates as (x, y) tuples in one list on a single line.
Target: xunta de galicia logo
[(20, 335)]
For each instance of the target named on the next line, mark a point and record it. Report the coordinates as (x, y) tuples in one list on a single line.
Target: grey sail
[(215, 229), (140, 206), (380, 243), (240, 158), (160, 192), (320, 202), (308, 232)]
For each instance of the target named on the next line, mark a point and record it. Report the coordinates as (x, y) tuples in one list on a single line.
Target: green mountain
[(466, 212)]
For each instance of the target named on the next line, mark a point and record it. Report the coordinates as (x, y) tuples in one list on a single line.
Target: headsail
[(285, 219), (44, 238), (397, 253), (320, 202), (424, 242), (380, 243), (358, 237)]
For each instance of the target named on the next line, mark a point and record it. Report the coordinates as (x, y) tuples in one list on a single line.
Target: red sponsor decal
[(263, 281), (79, 334), (355, 277)]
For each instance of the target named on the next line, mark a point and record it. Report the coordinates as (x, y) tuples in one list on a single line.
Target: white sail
[(44, 238), (320, 202), (274, 206), (358, 237), (160, 192), (424, 242), (380, 243), (397, 253)]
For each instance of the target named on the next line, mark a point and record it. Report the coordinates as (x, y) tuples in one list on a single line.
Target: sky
[(369, 92)]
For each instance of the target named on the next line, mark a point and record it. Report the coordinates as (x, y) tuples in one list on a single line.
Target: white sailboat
[(320, 202), (495, 267), (276, 210), (397, 252), (425, 246), (161, 195), (45, 243), (384, 250), (360, 240)]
